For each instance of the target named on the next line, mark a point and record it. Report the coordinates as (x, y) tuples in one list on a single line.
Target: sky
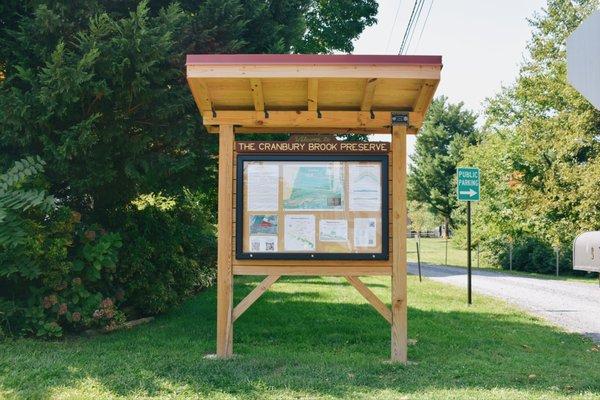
[(482, 42)]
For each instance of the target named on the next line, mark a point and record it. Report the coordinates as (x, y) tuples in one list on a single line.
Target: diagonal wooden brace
[(254, 295), (371, 298)]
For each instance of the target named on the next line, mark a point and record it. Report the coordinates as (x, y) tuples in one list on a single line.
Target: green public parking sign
[(467, 188)]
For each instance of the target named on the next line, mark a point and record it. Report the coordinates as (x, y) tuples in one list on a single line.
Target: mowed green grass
[(315, 338), (433, 251)]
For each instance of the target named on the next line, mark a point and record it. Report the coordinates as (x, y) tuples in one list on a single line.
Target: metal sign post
[(468, 189)]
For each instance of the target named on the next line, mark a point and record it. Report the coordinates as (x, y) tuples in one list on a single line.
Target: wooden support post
[(224, 252), (399, 305)]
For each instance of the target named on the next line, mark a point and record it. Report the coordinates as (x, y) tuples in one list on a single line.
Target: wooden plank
[(367, 100), (399, 306), (371, 298), (307, 119), (224, 255), (425, 96), (257, 94), (313, 94), (201, 94), (310, 71), (254, 295), (312, 270), (304, 130)]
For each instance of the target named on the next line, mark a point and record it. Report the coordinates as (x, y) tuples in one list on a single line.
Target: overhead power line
[(415, 24), (424, 24), (393, 26), (417, 7)]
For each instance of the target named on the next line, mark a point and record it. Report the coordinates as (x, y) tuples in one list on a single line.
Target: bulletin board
[(312, 206)]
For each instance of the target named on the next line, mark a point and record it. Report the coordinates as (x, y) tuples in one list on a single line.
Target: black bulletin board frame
[(380, 158)]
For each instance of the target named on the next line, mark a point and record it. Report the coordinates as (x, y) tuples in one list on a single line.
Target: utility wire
[(424, 24), (415, 24), (410, 26), (393, 26), (412, 13)]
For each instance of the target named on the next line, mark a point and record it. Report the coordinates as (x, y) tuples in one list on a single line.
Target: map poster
[(313, 186), (263, 244), (263, 186), (364, 189), (299, 233), (333, 230), (365, 232), (263, 224)]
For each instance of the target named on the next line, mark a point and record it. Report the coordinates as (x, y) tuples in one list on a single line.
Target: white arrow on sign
[(470, 192)]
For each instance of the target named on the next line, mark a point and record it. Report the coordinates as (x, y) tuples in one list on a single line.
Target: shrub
[(169, 251), (56, 273), (530, 254)]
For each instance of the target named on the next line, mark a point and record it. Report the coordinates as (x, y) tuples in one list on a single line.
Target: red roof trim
[(310, 59)]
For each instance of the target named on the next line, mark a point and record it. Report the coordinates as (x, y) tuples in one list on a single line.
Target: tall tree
[(448, 129), (97, 88), (557, 127), (540, 145)]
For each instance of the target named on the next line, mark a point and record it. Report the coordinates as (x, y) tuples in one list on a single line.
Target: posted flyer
[(263, 244), (299, 233), (364, 190), (333, 230), (313, 186), (263, 187), (365, 232)]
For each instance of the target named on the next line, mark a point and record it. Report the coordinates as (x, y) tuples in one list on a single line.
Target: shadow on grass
[(300, 343)]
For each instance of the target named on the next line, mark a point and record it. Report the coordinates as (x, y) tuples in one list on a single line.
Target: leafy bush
[(169, 251), (56, 274), (529, 253)]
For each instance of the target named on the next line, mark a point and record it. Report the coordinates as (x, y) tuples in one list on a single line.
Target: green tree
[(104, 80), (421, 219), (448, 128), (97, 89), (540, 155)]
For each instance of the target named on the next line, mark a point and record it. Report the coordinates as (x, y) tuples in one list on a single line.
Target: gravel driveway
[(571, 305)]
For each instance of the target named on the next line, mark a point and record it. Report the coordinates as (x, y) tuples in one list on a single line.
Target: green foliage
[(529, 254), (168, 254), (421, 219), (17, 196), (97, 90), (331, 23), (55, 273), (540, 153), (448, 128)]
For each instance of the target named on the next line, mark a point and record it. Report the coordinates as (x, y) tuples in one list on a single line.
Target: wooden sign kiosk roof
[(266, 93), (313, 94)]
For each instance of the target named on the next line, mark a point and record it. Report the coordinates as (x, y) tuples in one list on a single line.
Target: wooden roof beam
[(300, 119), (257, 94), (313, 94), (201, 94), (328, 131), (369, 93), (425, 96)]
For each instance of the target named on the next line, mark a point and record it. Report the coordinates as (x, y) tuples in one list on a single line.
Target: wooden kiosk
[(312, 94)]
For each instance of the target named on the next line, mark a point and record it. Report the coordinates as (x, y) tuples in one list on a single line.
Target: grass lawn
[(315, 338), (433, 251)]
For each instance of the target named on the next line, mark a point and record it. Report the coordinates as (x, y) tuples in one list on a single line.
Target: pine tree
[(448, 128)]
